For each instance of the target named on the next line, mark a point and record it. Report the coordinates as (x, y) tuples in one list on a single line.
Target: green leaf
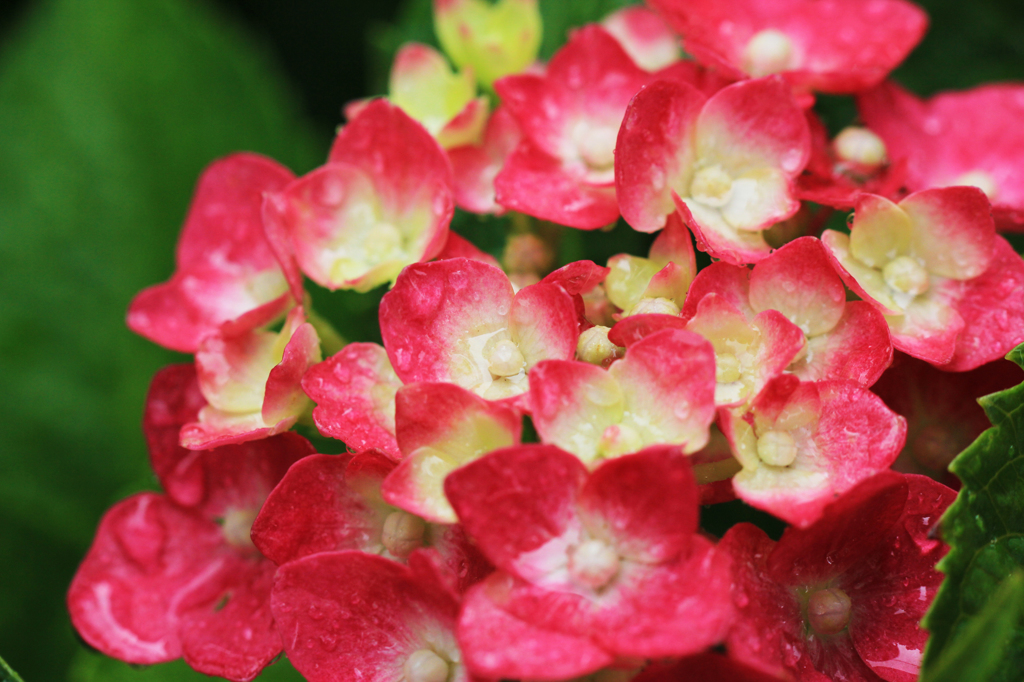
[(6, 674), (92, 667), (984, 528), (110, 109), (976, 654)]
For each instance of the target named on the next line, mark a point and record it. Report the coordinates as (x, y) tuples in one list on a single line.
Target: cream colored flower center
[(776, 448), (727, 368), (906, 275), (237, 526), (594, 346), (859, 145), (829, 611), (504, 358), (595, 144), (425, 666), (593, 563), (711, 186), (654, 306), (402, 533), (769, 51), (619, 439)]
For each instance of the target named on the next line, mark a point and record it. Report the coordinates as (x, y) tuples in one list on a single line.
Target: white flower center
[(425, 666), (981, 180), (593, 564), (904, 274), (711, 186), (769, 51), (237, 527), (727, 368), (776, 448), (504, 358)]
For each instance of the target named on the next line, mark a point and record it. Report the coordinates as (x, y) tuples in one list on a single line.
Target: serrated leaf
[(976, 654), (109, 111), (984, 528)]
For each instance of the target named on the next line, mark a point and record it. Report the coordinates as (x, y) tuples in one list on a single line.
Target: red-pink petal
[(173, 401), (355, 395), (476, 166), (225, 266)]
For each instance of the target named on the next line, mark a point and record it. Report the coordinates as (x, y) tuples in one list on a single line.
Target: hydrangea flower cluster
[(528, 451)]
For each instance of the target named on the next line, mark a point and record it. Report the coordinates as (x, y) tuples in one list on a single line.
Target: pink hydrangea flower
[(382, 201), (164, 581), (970, 137), (804, 444), (610, 557), (935, 267), (563, 169), (460, 321), (842, 46), (845, 340), (251, 383), (843, 598), (225, 269), (726, 163)]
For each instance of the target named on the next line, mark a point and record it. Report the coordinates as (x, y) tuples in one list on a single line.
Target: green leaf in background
[(977, 653), (109, 110), (984, 528), (6, 674)]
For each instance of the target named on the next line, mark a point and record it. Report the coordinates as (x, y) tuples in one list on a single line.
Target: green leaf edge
[(998, 408), (972, 655), (8, 674)]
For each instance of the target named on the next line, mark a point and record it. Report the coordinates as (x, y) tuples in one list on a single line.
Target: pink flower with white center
[(803, 444), (226, 271), (477, 165), (843, 598), (443, 102), (844, 340), (382, 201), (970, 137), (459, 321), (355, 395), (748, 352), (563, 169), (838, 47), (935, 267), (441, 427), (942, 411), (610, 557), (251, 383), (726, 163), (163, 581), (658, 283), (355, 616), (645, 37), (661, 392), (327, 503)]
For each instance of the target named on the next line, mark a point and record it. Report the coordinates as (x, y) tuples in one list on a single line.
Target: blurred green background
[(109, 109)]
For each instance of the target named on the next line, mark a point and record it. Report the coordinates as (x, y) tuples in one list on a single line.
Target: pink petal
[(313, 509), (953, 230), (174, 400), (519, 505), (460, 247), (350, 615), (632, 329), (644, 36), (433, 309), (475, 167), (355, 395), (798, 280), (543, 323), (858, 348), (720, 240), (654, 152), (225, 266), (537, 184), (647, 502), (993, 311), (731, 282), (496, 644)]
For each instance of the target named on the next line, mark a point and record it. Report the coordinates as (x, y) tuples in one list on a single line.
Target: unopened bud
[(595, 348), (727, 368), (654, 306), (829, 611), (776, 448), (403, 533), (860, 146), (504, 359)]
